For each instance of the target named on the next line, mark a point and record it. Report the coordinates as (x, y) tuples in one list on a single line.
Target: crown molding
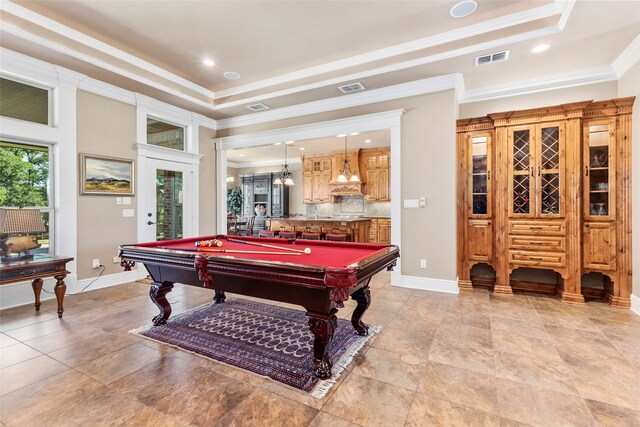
[(628, 58), (364, 123), (556, 8), (27, 69), (107, 90), (558, 81), (77, 36), (403, 90)]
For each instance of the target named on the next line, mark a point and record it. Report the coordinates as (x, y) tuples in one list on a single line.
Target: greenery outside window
[(165, 134), (25, 178), (24, 102)]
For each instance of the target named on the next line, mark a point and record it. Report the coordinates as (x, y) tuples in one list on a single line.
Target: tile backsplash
[(350, 206)]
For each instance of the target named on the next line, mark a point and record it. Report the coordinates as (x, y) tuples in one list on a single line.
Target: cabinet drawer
[(546, 228), (538, 243), (537, 259)]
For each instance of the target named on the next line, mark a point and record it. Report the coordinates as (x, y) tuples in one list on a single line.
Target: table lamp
[(15, 224)]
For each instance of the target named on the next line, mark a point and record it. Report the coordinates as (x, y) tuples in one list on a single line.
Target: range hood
[(346, 189)]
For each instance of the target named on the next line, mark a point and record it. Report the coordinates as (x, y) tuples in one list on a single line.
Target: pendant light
[(285, 175), (346, 175)]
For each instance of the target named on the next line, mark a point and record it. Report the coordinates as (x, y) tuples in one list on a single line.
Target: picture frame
[(109, 176)]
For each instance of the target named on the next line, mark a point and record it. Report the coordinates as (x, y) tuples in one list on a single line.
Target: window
[(24, 182), (24, 102), (165, 134)]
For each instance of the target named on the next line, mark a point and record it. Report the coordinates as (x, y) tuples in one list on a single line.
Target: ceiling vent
[(258, 107), (492, 57), (354, 87)]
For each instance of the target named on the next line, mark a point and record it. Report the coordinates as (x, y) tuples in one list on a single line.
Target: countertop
[(326, 218)]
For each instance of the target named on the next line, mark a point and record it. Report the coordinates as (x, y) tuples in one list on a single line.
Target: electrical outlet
[(96, 263), (423, 263), (116, 260)]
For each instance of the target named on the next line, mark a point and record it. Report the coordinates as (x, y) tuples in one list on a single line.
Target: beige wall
[(105, 127), (629, 85), (600, 91), (428, 169), (208, 184)]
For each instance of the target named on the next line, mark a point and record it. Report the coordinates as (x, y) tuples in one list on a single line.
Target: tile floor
[(472, 359)]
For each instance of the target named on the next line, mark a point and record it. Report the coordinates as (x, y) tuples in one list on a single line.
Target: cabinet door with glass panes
[(479, 147), (536, 171), (599, 170)]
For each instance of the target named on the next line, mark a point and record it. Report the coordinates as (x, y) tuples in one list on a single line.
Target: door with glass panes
[(479, 227)]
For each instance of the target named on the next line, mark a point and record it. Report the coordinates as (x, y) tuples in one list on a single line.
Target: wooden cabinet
[(316, 176), (380, 230), (375, 164), (258, 189), (548, 188)]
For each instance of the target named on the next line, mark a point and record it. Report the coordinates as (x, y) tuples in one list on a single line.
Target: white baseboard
[(635, 304), (429, 284), (104, 281)]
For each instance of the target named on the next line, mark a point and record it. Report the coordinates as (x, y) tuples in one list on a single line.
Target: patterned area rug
[(271, 341)]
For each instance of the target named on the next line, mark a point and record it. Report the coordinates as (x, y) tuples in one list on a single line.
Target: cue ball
[(307, 251)]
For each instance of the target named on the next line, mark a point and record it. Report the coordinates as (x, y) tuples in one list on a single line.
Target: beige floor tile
[(473, 357), (463, 334), (120, 363), (389, 367), (92, 348), (430, 411), (17, 353), (537, 407), (29, 372), (461, 386), (613, 416), (359, 400), (6, 340), (404, 342), (477, 319), (327, 420), (377, 317), (401, 295), (27, 316), (542, 373), (37, 330), (527, 328), (65, 338), (567, 319), (507, 342), (151, 417), (263, 408)]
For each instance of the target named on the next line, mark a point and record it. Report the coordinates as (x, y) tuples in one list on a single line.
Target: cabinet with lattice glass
[(560, 199)]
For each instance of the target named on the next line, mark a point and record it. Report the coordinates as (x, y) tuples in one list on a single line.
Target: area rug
[(271, 341)]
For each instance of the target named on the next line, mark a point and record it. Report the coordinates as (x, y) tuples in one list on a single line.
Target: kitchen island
[(357, 228)]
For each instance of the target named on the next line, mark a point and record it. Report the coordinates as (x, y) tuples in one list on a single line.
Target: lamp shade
[(22, 220)]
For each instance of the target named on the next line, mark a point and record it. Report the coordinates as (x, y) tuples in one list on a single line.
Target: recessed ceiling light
[(277, 143), (232, 75), (342, 135), (463, 8), (368, 141), (540, 48), (354, 133), (241, 155), (208, 62), (301, 148), (289, 142)]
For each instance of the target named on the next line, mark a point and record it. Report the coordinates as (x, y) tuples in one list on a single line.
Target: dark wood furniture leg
[(59, 289), (219, 297), (363, 297), (322, 327), (37, 288), (158, 293)]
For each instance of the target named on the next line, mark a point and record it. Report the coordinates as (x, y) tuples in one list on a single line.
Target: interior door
[(168, 192)]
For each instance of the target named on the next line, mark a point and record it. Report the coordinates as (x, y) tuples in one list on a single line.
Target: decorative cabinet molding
[(548, 188), (380, 230), (375, 164)]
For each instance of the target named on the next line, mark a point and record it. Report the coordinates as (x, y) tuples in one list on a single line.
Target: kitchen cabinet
[(376, 166)]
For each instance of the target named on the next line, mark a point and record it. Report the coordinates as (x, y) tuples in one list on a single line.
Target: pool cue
[(306, 251), (236, 251)]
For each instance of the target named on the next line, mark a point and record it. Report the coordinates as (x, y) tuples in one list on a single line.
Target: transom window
[(165, 134), (24, 102), (25, 176)]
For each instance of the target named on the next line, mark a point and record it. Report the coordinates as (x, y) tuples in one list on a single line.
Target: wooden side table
[(37, 269)]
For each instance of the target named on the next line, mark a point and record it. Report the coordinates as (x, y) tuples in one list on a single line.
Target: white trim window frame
[(50, 97)]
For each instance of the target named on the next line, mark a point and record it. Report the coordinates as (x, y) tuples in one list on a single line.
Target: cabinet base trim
[(635, 304), (570, 298), (465, 284), (617, 301), (502, 290), (428, 284)]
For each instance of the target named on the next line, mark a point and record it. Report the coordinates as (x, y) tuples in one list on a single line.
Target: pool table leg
[(219, 297), (363, 297), (322, 326), (158, 293)]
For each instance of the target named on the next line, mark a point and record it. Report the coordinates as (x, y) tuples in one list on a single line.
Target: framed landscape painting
[(106, 175)]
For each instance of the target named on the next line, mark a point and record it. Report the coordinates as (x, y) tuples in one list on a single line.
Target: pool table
[(320, 281)]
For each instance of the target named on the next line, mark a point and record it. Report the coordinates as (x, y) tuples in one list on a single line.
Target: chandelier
[(285, 175), (347, 175)]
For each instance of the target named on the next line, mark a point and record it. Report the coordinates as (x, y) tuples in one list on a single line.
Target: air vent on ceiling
[(492, 57), (353, 87), (258, 107)]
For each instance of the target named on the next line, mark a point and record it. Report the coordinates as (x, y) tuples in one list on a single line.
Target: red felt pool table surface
[(323, 253)]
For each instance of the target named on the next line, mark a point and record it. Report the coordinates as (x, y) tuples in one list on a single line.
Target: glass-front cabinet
[(536, 170), (599, 170), (480, 182)]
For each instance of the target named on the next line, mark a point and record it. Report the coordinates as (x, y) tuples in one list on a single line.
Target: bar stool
[(288, 235), (311, 235), (337, 237), (266, 233)]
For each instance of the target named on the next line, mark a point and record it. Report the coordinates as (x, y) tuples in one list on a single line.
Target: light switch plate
[(411, 203)]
